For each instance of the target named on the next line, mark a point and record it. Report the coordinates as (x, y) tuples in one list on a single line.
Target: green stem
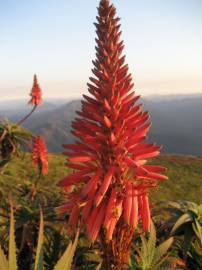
[(27, 116), (34, 188)]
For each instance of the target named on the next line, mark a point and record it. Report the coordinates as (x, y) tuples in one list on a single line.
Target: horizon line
[(80, 96)]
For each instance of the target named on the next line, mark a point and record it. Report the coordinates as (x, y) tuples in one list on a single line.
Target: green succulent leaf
[(150, 256), (3, 260), (99, 266), (12, 260), (39, 251), (198, 231), (174, 205), (65, 261), (152, 241), (187, 217), (161, 251)]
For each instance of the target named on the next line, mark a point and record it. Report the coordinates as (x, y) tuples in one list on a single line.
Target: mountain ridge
[(176, 123)]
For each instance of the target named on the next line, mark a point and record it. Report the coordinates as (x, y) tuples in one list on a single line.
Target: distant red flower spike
[(40, 155), (110, 130), (36, 93)]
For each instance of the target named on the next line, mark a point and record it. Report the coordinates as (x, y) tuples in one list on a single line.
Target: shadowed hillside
[(176, 123), (55, 126)]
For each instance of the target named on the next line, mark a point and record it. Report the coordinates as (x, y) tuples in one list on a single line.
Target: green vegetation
[(184, 172), (64, 263), (149, 255), (19, 174), (185, 178), (17, 179)]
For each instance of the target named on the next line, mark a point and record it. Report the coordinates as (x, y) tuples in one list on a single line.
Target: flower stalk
[(40, 160), (109, 158), (36, 99), (40, 155)]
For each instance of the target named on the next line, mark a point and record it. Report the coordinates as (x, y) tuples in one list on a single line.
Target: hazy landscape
[(101, 135), (176, 121)]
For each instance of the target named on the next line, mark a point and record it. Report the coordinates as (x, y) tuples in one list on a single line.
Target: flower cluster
[(40, 155), (36, 93), (109, 158)]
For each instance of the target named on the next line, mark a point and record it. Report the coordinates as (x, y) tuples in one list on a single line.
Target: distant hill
[(177, 123), (55, 126), (16, 109)]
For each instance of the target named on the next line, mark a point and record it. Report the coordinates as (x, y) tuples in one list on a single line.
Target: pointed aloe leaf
[(152, 241), (99, 266), (175, 211), (191, 206), (198, 230), (65, 261), (144, 253), (181, 220), (3, 260), (174, 204), (39, 252), (146, 256), (161, 251), (200, 210), (12, 260)]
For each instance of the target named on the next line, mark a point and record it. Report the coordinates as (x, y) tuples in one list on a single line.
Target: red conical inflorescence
[(109, 157), (40, 155), (36, 93)]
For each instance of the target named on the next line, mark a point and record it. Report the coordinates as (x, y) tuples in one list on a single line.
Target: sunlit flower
[(40, 155), (109, 157), (36, 93)]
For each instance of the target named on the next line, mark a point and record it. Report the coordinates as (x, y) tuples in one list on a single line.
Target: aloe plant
[(195, 257), (12, 139), (150, 256), (64, 263), (186, 220)]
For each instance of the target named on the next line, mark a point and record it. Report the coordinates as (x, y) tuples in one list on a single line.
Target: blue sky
[(55, 40)]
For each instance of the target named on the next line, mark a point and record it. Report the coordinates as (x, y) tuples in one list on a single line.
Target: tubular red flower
[(36, 93), (128, 200), (134, 209), (40, 155), (110, 130), (145, 212)]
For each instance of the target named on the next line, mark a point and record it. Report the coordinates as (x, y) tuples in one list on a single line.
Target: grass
[(20, 169), (184, 172), (185, 178), (185, 183)]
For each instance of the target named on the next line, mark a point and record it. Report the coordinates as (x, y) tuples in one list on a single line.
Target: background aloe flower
[(36, 93), (109, 157), (40, 155)]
